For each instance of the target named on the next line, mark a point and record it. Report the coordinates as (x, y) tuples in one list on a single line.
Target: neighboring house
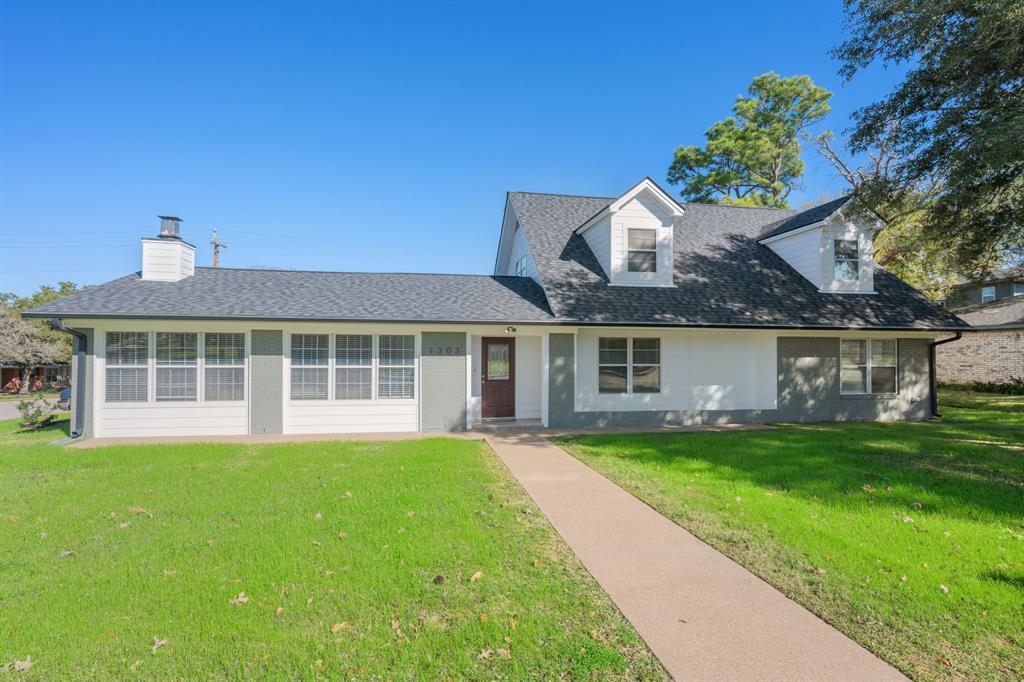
[(45, 376), (602, 311), (993, 351)]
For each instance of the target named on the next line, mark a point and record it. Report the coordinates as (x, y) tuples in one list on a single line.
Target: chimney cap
[(169, 227), (169, 217)]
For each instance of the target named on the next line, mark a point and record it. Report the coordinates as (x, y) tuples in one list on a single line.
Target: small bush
[(37, 412), (1015, 386)]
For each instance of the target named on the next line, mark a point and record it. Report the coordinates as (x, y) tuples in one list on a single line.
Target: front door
[(499, 378)]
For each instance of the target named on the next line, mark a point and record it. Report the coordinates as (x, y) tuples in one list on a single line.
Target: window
[(224, 357), (127, 366), (622, 371), (867, 366), (642, 252), (612, 365), (1018, 288), (176, 366), (646, 365), (353, 356), (396, 376), (309, 366), (520, 267), (847, 265), (988, 294)]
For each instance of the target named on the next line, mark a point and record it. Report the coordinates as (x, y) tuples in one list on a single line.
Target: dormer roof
[(647, 185)]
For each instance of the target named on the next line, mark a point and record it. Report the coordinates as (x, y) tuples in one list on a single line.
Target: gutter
[(933, 378), (83, 347)]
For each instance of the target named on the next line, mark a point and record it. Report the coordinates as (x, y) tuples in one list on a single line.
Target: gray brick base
[(443, 381), (808, 390)]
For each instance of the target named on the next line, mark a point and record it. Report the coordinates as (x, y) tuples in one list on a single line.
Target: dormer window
[(643, 250), (847, 260), (988, 294)]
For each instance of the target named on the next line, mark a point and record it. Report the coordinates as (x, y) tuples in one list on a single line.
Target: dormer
[(831, 245), (632, 236)]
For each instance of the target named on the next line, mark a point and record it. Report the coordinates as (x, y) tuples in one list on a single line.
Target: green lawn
[(336, 547), (909, 537), (14, 397)]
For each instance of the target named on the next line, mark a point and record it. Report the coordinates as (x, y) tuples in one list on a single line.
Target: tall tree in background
[(753, 157), (29, 344), (955, 126)]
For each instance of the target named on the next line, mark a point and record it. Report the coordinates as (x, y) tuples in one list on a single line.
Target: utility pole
[(217, 246)]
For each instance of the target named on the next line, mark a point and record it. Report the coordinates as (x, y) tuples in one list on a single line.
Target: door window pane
[(498, 366)]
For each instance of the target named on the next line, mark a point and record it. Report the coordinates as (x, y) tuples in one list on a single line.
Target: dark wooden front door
[(499, 378)]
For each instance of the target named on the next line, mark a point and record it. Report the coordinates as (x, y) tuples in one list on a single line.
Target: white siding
[(349, 416), (521, 250), (839, 227), (126, 420), (643, 211), (599, 239), (700, 370), (802, 251), (528, 377), (167, 260)]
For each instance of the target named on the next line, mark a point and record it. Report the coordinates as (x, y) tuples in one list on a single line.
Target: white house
[(628, 310)]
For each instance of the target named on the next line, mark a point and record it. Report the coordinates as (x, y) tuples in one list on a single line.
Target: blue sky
[(371, 137)]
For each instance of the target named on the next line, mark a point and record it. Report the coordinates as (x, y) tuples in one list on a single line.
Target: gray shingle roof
[(803, 218), (291, 295), (723, 276), (1004, 312)]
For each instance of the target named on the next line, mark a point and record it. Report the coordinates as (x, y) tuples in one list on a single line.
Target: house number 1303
[(444, 350)]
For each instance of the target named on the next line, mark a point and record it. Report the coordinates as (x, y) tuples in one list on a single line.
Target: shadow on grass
[(1016, 581), (56, 428), (896, 465)]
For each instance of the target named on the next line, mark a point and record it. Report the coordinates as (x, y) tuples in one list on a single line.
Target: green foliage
[(12, 304), (37, 412), (1015, 386), (111, 551), (955, 124), (753, 157), (909, 537)]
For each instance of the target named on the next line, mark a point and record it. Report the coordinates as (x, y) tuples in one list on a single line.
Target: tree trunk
[(26, 379)]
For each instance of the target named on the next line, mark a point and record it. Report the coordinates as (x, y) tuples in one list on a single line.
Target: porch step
[(502, 425)]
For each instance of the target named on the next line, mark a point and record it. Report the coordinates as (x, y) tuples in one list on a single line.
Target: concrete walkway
[(704, 616)]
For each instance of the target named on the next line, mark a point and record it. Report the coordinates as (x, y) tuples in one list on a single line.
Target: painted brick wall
[(266, 389), (808, 390), (443, 381), (982, 356)]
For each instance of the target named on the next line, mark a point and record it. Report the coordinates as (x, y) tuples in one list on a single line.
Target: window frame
[(991, 288), (207, 365), (630, 365), (411, 366), (170, 365), (630, 250), (325, 367), (143, 365), (869, 365), (370, 366), (375, 367), (837, 259), (1018, 288)]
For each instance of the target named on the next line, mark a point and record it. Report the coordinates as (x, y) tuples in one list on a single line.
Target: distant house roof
[(804, 218), (1005, 312), (723, 276), (220, 293)]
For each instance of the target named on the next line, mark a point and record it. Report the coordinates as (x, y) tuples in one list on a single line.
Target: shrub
[(36, 412), (1015, 386)]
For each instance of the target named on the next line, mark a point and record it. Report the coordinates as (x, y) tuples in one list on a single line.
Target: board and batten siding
[(700, 370)]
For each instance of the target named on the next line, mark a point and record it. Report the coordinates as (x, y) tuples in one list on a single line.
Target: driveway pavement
[(703, 615), (8, 409)]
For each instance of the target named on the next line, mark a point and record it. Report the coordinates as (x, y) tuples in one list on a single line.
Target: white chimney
[(167, 258)]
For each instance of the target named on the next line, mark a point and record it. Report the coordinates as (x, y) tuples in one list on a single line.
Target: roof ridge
[(354, 272), (760, 208), (556, 194)]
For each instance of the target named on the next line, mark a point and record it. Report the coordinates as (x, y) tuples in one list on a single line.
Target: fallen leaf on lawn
[(318, 516), (903, 578), (140, 510), (210, 543), (309, 601), (512, 623), (347, 494), (319, 663), (337, 627), (278, 611), (486, 653), (484, 618), (316, 543), (739, 499), (170, 571), (907, 519), (917, 505), (18, 666), (157, 643), (945, 590), (240, 599), (395, 624), (66, 553), (342, 534), (867, 488), (438, 579), (124, 525), (476, 576), (43, 535), (135, 666), (503, 653), (819, 570), (410, 514)]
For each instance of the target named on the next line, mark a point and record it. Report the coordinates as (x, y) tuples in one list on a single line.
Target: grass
[(336, 547), (909, 537)]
